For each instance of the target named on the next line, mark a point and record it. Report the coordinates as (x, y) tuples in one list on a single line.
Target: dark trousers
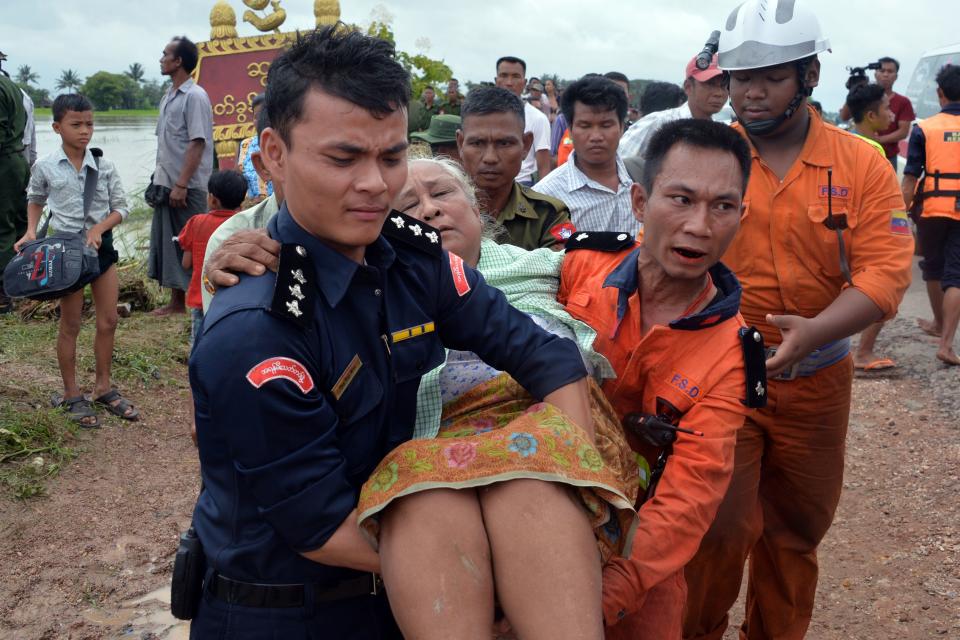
[(14, 175), (363, 618), (164, 262), (939, 240)]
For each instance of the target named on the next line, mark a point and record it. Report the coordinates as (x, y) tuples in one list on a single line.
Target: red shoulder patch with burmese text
[(280, 367), (459, 275)]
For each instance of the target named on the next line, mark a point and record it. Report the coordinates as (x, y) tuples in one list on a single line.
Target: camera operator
[(885, 72)]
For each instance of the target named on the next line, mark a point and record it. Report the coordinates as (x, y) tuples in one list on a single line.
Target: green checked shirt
[(529, 280)]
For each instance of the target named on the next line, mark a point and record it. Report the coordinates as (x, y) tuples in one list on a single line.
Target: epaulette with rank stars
[(600, 241), (416, 233), (294, 293)]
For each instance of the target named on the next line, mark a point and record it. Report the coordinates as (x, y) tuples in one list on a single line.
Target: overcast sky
[(641, 38)]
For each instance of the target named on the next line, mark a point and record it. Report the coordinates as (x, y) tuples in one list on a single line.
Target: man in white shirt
[(512, 75), (594, 183), (706, 91)]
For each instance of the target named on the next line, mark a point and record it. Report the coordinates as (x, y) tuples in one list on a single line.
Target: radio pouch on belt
[(189, 567)]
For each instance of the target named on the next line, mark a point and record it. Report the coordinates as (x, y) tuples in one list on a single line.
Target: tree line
[(126, 90)]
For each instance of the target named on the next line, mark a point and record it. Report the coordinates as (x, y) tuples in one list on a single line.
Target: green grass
[(116, 113), (36, 441)]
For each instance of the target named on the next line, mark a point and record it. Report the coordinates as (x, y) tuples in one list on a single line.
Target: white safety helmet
[(764, 33)]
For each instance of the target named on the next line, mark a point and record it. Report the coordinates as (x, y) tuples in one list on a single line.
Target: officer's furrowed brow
[(355, 150)]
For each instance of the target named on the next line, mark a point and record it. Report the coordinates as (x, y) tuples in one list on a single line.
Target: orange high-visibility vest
[(941, 184), (565, 147)]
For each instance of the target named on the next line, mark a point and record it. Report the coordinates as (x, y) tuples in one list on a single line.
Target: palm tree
[(135, 72), (25, 75), (69, 80)]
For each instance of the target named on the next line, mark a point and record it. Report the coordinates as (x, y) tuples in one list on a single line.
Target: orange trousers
[(660, 617), (786, 484)]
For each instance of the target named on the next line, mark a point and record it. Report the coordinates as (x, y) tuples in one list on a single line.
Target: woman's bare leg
[(435, 563), (546, 563)]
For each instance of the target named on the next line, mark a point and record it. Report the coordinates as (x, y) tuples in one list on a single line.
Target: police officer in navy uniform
[(304, 379)]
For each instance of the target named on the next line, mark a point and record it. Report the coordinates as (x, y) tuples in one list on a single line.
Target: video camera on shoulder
[(858, 75)]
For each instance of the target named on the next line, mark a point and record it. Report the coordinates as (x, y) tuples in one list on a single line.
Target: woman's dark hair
[(597, 92), (703, 134), (263, 121), (660, 96), (864, 98), (483, 100), (948, 81), (69, 102), (187, 52), (341, 62), (229, 187)]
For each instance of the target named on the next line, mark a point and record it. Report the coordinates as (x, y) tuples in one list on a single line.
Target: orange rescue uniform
[(941, 166), (789, 469), (696, 364)]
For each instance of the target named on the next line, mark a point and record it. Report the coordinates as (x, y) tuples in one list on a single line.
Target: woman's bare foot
[(948, 356), (168, 310), (929, 327)]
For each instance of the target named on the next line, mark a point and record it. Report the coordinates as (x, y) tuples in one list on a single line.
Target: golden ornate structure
[(267, 22), (223, 21), (234, 69), (326, 12)]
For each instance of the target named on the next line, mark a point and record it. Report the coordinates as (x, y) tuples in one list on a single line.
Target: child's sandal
[(80, 411), (116, 404)]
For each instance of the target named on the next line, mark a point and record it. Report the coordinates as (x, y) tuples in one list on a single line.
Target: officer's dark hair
[(512, 60), (263, 121), (340, 62), (616, 76), (863, 99), (948, 81), (888, 60), (597, 92), (229, 187), (659, 96), (483, 100), (702, 134), (187, 51), (69, 102)]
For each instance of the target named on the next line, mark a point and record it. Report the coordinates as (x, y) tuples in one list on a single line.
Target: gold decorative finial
[(223, 21), (326, 12), (268, 22)]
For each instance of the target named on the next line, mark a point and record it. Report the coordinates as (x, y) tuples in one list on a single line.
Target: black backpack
[(51, 267)]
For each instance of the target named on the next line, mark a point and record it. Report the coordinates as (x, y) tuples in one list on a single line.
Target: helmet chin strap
[(763, 128)]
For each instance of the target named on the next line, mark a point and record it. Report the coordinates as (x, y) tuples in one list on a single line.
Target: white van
[(922, 89)]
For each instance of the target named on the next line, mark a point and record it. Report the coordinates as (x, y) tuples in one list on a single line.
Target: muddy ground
[(92, 558)]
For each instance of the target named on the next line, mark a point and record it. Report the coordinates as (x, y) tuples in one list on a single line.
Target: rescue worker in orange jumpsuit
[(666, 317), (823, 251), (934, 156)]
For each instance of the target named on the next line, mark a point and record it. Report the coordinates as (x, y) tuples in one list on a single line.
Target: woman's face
[(435, 197), (548, 86)]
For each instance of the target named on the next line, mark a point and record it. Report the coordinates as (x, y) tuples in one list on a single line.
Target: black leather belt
[(282, 596)]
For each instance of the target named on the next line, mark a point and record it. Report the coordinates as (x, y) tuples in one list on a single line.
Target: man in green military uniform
[(454, 99), (441, 135), (492, 146), (418, 117), (14, 173)]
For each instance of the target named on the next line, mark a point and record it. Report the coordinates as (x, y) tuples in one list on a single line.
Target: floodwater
[(131, 144)]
